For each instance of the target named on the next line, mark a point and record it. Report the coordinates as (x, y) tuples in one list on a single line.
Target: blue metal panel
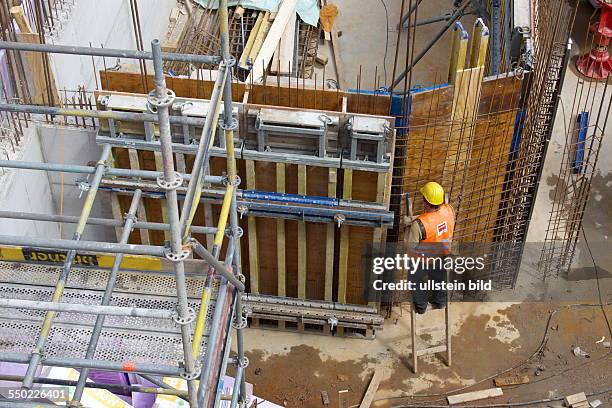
[(290, 198), (583, 120)]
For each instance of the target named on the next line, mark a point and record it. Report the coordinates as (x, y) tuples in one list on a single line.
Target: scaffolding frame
[(208, 367)]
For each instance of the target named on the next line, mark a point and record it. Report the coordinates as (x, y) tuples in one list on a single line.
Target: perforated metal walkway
[(145, 340)]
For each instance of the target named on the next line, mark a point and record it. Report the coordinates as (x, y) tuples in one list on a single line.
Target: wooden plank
[(475, 395), (252, 235), (287, 47), (458, 54), (302, 261), (511, 380), (252, 238), (264, 56), (115, 203), (343, 400), (175, 36), (280, 240), (35, 63), (344, 240), (368, 398), (141, 212), (575, 399), (329, 249), (480, 44), (22, 22), (249, 44), (431, 350), (262, 33), (35, 71)]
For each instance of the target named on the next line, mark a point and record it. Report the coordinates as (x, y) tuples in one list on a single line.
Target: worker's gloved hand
[(409, 219)]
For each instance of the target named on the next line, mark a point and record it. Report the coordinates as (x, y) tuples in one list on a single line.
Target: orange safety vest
[(438, 231)]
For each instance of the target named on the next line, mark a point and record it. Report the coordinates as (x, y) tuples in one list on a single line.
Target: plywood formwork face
[(469, 154), (287, 257)]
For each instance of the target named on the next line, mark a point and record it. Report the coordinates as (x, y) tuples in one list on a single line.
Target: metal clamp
[(104, 100), (232, 124), (242, 210), (226, 180), (191, 315), (128, 216), (153, 102), (183, 106), (326, 119), (339, 219), (163, 184), (177, 257), (239, 321), (242, 362), (228, 62), (192, 375), (237, 232)]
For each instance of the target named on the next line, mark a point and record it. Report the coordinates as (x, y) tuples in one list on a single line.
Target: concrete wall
[(75, 146), (27, 191), (107, 22)]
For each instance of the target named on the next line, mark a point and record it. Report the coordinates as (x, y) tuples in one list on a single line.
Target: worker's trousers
[(437, 298)]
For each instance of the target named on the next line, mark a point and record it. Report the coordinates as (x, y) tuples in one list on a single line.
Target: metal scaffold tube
[(98, 114), (210, 376), (108, 52), (103, 310), (115, 172), (167, 390), (162, 99), (86, 246), (200, 164), (106, 222), (125, 366), (41, 343), (217, 265), (240, 322), (130, 219)]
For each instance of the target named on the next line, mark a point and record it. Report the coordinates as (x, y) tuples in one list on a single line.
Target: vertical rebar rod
[(45, 330), (130, 219), (162, 99)]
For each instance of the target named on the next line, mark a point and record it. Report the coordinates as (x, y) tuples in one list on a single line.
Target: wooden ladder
[(416, 353)]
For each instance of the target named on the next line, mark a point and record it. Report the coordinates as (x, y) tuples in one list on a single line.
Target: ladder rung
[(431, 350)]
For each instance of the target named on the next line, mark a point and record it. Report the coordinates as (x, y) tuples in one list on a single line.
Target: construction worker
[(430, 236)]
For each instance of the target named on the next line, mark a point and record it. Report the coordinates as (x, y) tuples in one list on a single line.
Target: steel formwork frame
[(178, 248)]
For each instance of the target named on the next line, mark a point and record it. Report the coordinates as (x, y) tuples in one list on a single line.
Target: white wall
[(27, 191), (75, 146), (107, 22)]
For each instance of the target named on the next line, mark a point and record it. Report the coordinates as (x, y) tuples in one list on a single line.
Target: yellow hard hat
[(433, 193)]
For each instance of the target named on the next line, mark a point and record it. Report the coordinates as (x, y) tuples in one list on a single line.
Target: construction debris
[(513, 380), (368, 398), (578, 400), (325, 397), (578, 352), (474, 396)]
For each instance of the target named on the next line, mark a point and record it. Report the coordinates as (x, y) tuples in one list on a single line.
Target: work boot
[(419, 309)]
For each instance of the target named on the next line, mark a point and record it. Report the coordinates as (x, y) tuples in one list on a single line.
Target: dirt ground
[(292, 369)]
